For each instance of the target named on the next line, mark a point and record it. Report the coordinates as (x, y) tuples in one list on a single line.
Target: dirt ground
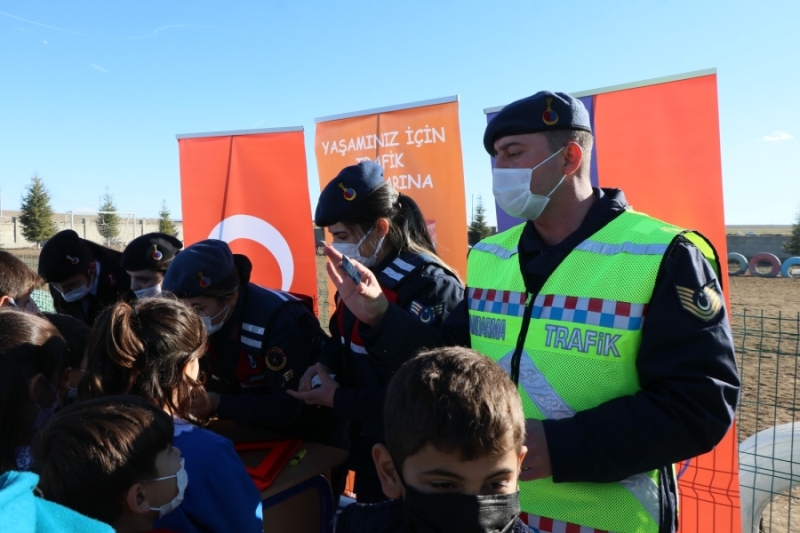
[(765, 318)]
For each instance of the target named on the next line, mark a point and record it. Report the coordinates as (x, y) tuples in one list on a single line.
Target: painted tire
[(787, 265), (739, 259), (768, 258)]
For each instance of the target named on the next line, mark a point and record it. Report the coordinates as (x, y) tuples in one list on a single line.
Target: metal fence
[(768, 354)]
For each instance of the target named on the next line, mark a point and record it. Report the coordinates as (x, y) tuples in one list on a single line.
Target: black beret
[(64, 256), (198, 268), (147, 251), (543, 111), (347, 191)]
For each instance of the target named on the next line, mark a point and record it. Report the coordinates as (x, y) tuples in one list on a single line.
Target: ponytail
[(142, 348)]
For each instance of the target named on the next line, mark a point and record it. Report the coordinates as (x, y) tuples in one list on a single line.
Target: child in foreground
[(112, 459), (454, 448), (151, 348)]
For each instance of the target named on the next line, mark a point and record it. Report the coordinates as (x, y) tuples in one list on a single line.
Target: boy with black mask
[(454, 447)]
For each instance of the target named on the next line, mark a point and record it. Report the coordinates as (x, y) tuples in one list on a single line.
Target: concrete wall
[(750, 245), (85, 226)]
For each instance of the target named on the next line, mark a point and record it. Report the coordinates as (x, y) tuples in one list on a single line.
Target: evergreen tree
[(36, 218), (165, 224), (478, 230), (792, 245), (108, 223)]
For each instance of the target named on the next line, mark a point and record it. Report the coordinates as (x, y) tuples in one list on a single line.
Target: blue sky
[(92, 93)]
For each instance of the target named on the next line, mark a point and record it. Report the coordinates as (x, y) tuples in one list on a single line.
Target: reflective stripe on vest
[(580, 350)]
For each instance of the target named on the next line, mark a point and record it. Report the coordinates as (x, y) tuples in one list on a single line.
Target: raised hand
[(365, 300)]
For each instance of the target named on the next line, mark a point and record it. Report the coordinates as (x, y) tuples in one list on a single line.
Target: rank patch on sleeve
[(275, 359), (704, 303), (428, 314)]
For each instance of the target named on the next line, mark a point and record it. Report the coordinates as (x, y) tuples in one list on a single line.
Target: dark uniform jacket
[(113, 285), (386, 517), (261, 351), (687, 370), (425, 293)]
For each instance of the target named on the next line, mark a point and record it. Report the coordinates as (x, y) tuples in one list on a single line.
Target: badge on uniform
[(276, 359), (427, 314), (112, 280), (704, 303)]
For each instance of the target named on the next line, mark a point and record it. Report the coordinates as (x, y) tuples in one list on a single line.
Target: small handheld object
[(316, 381), (350, 270), (298, 457)]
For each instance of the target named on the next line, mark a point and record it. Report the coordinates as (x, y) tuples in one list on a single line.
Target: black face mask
[(459, 513)]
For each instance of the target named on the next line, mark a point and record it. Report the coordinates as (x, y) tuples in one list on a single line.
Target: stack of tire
[(751, 266)]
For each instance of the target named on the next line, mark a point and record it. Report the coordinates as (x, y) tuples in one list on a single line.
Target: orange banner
[(665, 156), (419, 147), (251, 190)]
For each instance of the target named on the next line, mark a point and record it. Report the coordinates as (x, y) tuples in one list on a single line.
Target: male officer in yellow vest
[(612, 400)]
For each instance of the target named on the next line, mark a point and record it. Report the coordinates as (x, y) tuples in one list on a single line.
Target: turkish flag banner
[(250, 189)]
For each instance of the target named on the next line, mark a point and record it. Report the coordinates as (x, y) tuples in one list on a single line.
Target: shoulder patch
[(276, 359), (428, 314), (704, 303)]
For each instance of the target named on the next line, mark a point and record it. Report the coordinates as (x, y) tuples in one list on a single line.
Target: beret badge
[(348, 193), (549, 116), (205, 281), (156, 254), (73, 260)]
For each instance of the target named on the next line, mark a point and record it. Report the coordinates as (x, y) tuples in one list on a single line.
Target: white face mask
[(213, 328), (512, 190), (77, 294), (149, 292), (353, 251), (183, 481)]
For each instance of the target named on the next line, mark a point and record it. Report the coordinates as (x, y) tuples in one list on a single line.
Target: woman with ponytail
[(372, 223), (152, 348)]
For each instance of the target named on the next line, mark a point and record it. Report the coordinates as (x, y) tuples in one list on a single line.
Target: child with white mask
[(130, 473), (151, 348)]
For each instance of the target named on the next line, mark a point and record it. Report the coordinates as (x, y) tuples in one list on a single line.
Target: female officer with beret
[(260, 341), (84, 277), (384, 230), (146, 259)]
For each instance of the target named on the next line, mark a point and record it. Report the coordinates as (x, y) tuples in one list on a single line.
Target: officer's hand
[(536, 464), (321, 395), (365, 300), (305, 381)]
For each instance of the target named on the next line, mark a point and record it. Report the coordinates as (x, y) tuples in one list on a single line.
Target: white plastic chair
[(769, 464)]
